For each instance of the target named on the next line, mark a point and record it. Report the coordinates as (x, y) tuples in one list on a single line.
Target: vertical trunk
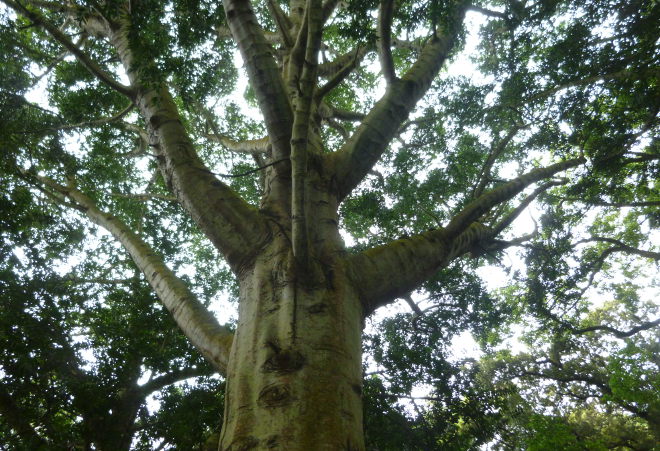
[(294, 377)]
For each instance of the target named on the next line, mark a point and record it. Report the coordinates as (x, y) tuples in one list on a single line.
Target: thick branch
[(235, 228), (393, 270), (263, 73), (503, 193), (196, 322)]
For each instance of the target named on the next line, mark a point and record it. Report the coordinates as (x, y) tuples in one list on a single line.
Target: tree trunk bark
[(294, 380)]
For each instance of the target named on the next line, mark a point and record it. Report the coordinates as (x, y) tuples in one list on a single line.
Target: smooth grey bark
[(294, 370), (295, 374)]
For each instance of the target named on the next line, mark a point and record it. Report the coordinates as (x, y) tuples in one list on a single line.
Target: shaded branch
[(331, 68), (512, 216), (621, 246), (94, 122), (63, 39), (414, 307), (651, 203), (622, 74), (487, 12), (328, 8), (337, 78), (145, 196), (172, 377), (18, 421), (616, 332), (283, 23)]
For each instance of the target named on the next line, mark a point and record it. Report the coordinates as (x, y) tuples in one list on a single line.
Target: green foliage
[(80, 329)]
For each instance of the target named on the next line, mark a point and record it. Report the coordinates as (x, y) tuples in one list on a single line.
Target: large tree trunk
[(295, 375)]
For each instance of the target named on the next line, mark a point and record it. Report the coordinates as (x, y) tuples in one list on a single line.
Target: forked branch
[(371, 139), (63, 39), (394, 269)]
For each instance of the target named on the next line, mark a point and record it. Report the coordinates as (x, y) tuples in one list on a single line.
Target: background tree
[(363, 135)]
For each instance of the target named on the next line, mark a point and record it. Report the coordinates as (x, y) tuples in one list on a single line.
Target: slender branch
[(570, 378), (616, 332), (170, 378), (496, 151), (650, 203), (622, 74), (385, 15), (145, 196), (414, 307), (100, 281), (250, 146), (487, 12), (337, 78), (63, 39), (93, 122), (251, 171), (55, 62), (621, 246), (508, 220)]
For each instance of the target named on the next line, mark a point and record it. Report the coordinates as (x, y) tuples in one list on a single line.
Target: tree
[(435, 168), (592, 387)]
